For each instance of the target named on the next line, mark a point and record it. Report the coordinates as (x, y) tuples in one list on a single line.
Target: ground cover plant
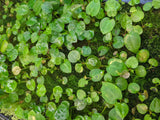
[(79, 60)]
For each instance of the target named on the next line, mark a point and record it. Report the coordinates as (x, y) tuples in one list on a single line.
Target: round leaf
[(110, 92), (79, 68), (93, 62), (137, 16), (122, 109), (147, 6), (141, 71), (66, 67), (153, 62), (9, 86), (132, 41), (31, 84), (102, 50), (107, 25), (96, 74), (131, 62), (142, 108), (81, 94), (155, 105), (107, 38), (142, 55), (41, 90), (156, 4), (118, 42), (86, 51), (121, 83), (74, 56), (133, 88), (115, 67), (93, 8)]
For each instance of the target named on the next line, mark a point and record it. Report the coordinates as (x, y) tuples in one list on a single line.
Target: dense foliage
[(76, 60)]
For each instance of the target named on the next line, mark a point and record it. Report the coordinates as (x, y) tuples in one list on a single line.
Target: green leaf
[(115, 67), (132, 62), (81, 94), (133, 88), (156, 4), (103, 50), (74, 56), (33, 71), (138, 29), (66, 66), (79, 68), (107, 38), (3, 73), (62, 112), (112, 7), (41, 90), (23, 48), (69, 91), (80, 104), (133, 2), (27, 36), (13, 97), (121, 83), (12, 55), (30, 84), (107, 25), (89, 34), (82, 82), (113, 115), (31, 21), (108, 77), (155, 105), (57, 25), (28, 98), (137, 16), (80, 27), (97, 116), (94, 96), (142, 108), (58, 41), (19, 112), (2, 58), (122, 109), (57, 92), (132, 42), (96, 74), (110, 92), (34, 37), (142, 55), (93, 7), (86, 51), (147, 6), (9, 86), (71, 37), (40, 80), (22, 10), (153, 62), (118, 42), (51, 108), (126, 21), (3, 45), (93, 62), (140, 71), (31, 115), (100, 14), (37, 6), (42, 46), (47, 7)]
